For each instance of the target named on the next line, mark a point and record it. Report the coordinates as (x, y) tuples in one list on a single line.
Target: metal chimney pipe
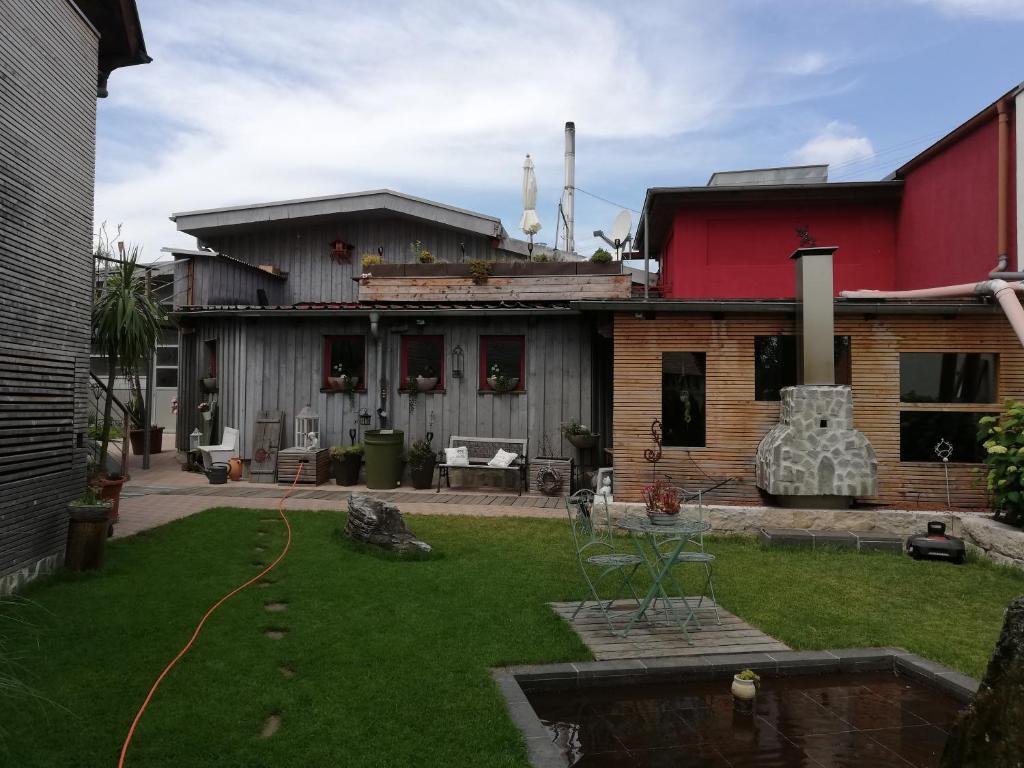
[(815, 315), (570, 187)]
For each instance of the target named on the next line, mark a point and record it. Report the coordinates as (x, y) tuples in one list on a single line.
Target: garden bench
[(481, 450)]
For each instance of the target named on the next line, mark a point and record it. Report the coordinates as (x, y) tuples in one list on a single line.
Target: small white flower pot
[(744, 690)]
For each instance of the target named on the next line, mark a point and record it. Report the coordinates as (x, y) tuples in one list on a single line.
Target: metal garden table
[(660, 563)]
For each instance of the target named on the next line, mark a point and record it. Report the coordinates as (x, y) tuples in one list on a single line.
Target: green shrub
[(601, 256), (344, 451), (1002, 437), (480, 270), (369, 259), (420, 453)]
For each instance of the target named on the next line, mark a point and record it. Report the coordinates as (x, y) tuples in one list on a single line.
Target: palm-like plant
[(126, 323)]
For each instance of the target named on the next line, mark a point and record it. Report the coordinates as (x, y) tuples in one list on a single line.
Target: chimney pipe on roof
[(815, 315), (570, 187)]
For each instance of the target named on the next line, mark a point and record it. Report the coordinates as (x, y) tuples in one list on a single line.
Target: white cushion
[(456, 457), (502, 459)]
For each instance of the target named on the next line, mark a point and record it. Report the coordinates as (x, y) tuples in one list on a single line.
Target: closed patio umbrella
[(529, 222)]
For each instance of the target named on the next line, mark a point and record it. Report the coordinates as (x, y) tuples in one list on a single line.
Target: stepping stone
[(275, 634), (270, 726), (286, 672), (265, 584), (275, 607), (258, 548)]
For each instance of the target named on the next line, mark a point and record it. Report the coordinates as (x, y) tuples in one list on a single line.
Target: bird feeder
[(307, 429)]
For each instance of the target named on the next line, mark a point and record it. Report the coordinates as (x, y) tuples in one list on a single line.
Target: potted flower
[(427, 380), (204, 409), (137, 434), (744, 687), (579, 435), (346, 462), (342, 381), (662, 502), (108, 489), (88, 528), (499, 382), (209, 382), (421, 464)]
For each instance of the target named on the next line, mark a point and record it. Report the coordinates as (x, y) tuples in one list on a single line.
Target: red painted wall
[(742, 250), (946, 231)]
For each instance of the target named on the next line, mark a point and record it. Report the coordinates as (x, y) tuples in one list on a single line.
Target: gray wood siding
[(47, 156), (224, 283), (276, 364), (304, 252)]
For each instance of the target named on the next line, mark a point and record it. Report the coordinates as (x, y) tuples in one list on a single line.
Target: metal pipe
[(1003, 200), (570, 187)]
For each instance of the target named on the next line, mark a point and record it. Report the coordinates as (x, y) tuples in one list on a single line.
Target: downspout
[(382, 411), (1003, 292), (1003, 197)]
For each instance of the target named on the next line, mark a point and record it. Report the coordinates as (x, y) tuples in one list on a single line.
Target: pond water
[(868, 720)]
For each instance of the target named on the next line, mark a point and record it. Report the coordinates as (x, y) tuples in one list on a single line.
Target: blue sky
[(265, 100)]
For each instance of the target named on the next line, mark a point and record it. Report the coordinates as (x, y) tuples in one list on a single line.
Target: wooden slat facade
[(736, 421), (48, 56)]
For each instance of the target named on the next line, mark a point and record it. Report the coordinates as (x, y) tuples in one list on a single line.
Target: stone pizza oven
[(814, 457)]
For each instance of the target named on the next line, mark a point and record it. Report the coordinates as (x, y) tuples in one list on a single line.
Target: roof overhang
[(378, 203), (776, 307), (661, 203), (182, 255), (121, 41)]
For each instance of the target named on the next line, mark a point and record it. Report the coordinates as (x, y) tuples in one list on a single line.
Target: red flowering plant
[(661, 497)]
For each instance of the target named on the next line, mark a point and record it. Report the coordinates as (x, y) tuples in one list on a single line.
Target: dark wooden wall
[(47, 155)]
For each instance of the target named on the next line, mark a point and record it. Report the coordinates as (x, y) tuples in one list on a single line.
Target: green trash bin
[(383, 450)]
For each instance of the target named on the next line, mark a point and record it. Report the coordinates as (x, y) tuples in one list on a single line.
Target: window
[(683, 398), (775, 364), (211, 359), (344, 356), (503, 363), (166, 366), (921, 431), (423, 356), (948, 377)]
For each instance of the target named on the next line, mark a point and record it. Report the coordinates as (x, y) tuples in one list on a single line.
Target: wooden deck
[(647, 640)]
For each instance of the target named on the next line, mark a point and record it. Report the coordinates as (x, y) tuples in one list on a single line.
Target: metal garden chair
[(594, 543), (693, 553)]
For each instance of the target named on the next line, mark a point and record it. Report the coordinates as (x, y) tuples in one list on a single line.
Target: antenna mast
[(570, 187)]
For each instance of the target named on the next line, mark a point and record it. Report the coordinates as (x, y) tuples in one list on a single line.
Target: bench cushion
[(502, 459)]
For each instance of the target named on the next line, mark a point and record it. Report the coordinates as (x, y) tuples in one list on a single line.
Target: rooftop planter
[(499, 269)]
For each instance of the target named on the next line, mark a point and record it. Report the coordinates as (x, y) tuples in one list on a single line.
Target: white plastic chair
[(219, 454)]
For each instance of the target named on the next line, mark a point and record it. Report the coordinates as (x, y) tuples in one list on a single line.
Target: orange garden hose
[(210, 612)]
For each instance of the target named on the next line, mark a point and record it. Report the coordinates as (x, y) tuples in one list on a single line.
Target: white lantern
[(193, 439), (307, 429)]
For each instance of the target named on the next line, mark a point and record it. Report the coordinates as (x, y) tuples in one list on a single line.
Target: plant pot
[(217, 474), (423, 476), (743, 690), (209, 383), (111, 491), (426, 383), (583, 442), (235, 468), (346, 470), (88, 528), (660, 518), (156, 440), (510, 384)]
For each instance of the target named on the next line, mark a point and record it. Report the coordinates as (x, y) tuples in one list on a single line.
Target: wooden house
[(277, 311), (56, 58)]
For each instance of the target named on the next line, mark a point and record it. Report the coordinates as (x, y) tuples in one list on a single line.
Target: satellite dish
[(621, 227)]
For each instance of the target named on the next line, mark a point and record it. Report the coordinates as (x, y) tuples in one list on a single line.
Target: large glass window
[(775, 364), (922, 431), (503, 363), (423, 356), (344, 356), (948, 377), (166, 368), (683, 398)]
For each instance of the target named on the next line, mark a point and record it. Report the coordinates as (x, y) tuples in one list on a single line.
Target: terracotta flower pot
[(235, 468), (111, 491)]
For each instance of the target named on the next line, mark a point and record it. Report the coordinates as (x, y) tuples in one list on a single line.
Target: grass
[(390, 658)]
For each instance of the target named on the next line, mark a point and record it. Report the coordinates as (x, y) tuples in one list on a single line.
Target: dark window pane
[(99, 365), (775, 364), (167, 377), (424, 356), (683, 398), (503, 355), (921, 431), (169, 337), (948, 377), (346, 355), (166, 355)]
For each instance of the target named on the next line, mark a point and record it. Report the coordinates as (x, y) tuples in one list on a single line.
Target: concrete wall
[(48, 59)]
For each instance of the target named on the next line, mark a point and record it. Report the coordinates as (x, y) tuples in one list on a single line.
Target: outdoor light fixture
[(380, 251), (364, 417), (458, 361), (193, 439)]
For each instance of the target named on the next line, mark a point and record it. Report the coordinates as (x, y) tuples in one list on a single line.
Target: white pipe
[(1004, 293), (570, 188)]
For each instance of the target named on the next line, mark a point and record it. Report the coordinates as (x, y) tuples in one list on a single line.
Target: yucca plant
[(126, 323)]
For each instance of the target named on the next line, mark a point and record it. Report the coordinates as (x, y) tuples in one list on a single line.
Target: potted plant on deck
[(346, 462), (88, 527), (137, 435), (421, 464), (744, 688), (579, 435)]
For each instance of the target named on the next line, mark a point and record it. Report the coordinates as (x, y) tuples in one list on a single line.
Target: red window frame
[(211, 357), (326, 360), (485, 342), (438, 341)]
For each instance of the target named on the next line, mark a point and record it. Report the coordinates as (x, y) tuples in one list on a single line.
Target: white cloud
[(836, 144), (807, 63), (986, 9)]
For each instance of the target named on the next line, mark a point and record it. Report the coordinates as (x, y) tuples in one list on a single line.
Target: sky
[(260, 100)]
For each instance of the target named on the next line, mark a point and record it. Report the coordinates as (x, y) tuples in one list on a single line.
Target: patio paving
[(648, 640)]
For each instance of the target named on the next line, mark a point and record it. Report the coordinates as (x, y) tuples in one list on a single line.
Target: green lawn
[(391, 657)]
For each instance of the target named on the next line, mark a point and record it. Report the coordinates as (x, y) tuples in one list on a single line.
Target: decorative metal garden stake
[(352, 436), (944, 449), (653, 455)]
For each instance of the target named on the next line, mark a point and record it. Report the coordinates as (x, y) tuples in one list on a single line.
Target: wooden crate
[(316, 471)]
